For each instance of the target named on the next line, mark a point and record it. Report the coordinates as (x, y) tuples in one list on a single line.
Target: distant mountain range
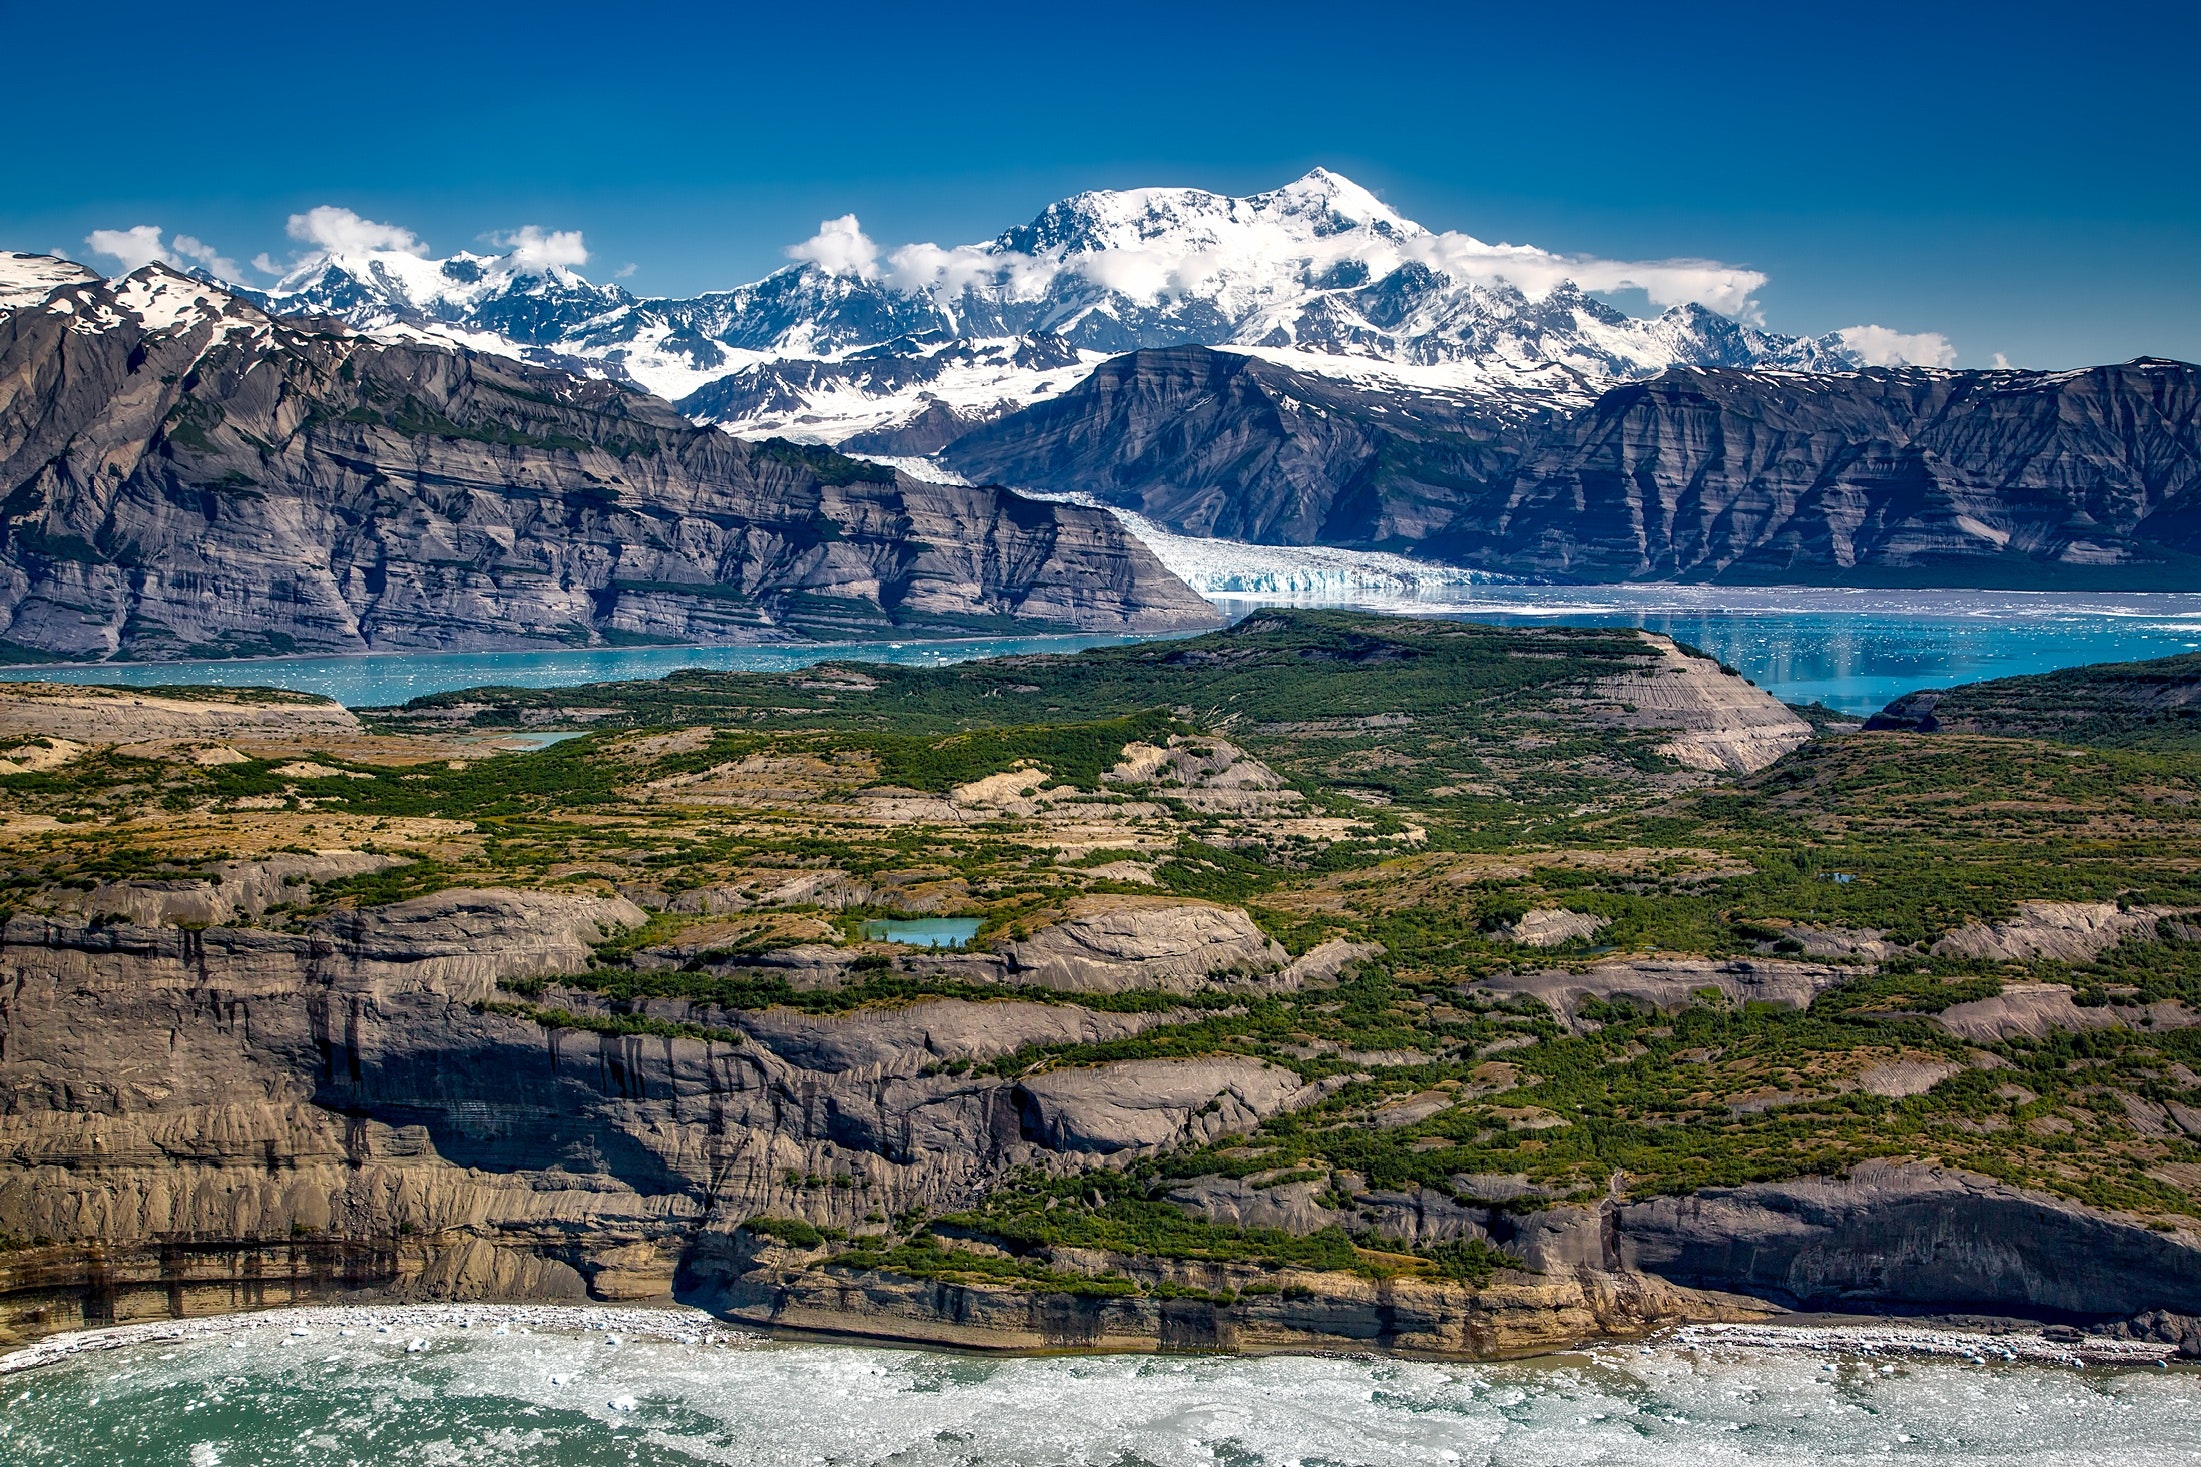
[(901, 352), (1305, 367), (1876, 476), (183, 475)]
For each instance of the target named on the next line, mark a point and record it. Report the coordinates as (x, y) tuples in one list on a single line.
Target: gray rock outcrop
[(1882, 476), (1910, 1234), (1673, 982), (1145, 1103), (1113, 945), (2070, 932)]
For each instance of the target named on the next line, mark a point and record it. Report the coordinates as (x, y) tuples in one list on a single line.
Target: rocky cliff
[(1899, 476), (182, 475), (1438, 1007), (1877, 477), (203, 1120), (1223, 444)]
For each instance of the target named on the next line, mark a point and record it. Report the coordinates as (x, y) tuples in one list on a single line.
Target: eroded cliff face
[(1900, 476), (1910, 1235), (182, 475), (202, 1119), (1218, 443), (199, 1120)]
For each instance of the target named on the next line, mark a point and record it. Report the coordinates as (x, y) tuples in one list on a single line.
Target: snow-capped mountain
[(904, 348)]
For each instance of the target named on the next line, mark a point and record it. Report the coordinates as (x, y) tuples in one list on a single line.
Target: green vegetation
[(1441, 782)]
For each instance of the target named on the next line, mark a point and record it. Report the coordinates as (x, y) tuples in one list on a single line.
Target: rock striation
[(1909, 1235), (1223, 444), (1881, 476), (183, 475), (1116, 944)]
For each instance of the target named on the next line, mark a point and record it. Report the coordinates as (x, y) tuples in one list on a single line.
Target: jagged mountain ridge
[(1237, 447), (1876, 476), (184, 475), (1318, 270)]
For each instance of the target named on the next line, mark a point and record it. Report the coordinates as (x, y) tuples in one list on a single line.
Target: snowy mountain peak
[(1322, 205), (853, 337), (25, 280)]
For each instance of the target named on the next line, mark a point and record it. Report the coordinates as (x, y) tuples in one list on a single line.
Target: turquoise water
[(1859, 650), (383, 680), (924, 931), (1854, 650), (271, 1390)]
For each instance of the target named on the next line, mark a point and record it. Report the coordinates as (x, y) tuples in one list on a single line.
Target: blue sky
[(2021, 178)]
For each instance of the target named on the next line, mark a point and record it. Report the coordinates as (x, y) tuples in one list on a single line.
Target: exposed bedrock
[(1670, 983), (190, 477), (1517, 1315), (1126, 943), (206, 1119), (1910, 1236)]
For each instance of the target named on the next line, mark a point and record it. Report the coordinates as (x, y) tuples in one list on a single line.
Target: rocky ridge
[(898, 351), (1881, 476), (184, 475)]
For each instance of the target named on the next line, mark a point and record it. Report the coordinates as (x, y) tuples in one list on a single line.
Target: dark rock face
[(181, 475), (1884, 476), (1876, 477), (1910, 1236), (1218, 443)]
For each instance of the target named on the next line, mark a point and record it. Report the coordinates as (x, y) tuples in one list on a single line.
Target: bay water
[(1853, 650), (544, 1387)]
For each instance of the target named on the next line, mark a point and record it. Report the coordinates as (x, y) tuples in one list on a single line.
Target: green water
[(248, 1393)]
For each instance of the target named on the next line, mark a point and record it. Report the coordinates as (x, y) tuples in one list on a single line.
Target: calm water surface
[(263, 1394), (924, 931), (1853, 650)]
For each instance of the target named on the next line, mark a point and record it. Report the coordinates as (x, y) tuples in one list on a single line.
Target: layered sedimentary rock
[(1910, 1234), (1899, 476), (1218, 443), (183, 475)]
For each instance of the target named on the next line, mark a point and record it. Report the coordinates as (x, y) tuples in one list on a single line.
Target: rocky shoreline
[(1982, 1343)]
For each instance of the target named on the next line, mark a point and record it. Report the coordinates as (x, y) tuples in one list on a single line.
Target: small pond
[(924, 931)]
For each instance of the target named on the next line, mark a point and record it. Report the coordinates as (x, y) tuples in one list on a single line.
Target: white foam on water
[(682, 1390)]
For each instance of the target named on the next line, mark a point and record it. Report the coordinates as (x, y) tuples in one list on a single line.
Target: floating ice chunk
[(622, 1403)]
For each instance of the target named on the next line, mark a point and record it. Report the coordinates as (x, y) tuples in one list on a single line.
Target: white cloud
[(265, 264), (195, 249), (2002, 363), (341, 232), (533, 251), (141, 245), (1536, 273), (1877, 346), (625, 270), (840, 247), (136, 246)]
